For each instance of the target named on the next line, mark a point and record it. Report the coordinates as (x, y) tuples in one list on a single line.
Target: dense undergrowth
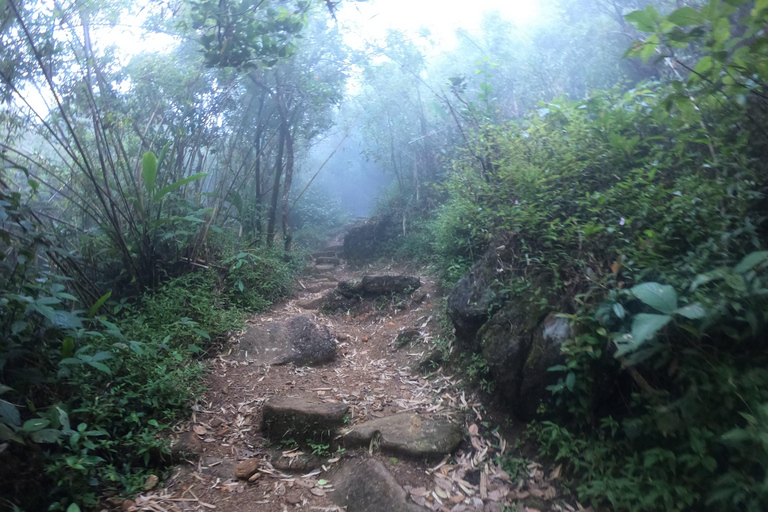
[(641, 214), (89, 392)]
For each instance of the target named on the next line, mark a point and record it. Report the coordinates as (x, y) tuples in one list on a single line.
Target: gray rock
[(301, 419), (408, 435), (469, 304), (367, 486), (218, 467), (505, 341), (374, 286), (311, 303), (325, 260), (319, 286), (187, 447), (301, 462), (297, 340), (545, 352), (369, 239)]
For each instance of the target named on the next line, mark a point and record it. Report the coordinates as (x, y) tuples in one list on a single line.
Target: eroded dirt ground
[(375, 378)]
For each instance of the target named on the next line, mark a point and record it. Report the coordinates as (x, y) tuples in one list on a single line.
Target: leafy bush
[(645, 208), (85, 396)]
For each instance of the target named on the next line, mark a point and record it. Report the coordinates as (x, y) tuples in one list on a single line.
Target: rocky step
[(367, 486), (297, 340), (318, 286), (336, 249), (325, 260), (372, 286), (302, 419), (323, 269), (407, 435), (325, 254)]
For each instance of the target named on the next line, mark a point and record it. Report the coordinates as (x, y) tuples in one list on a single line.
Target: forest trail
[(376, 374)]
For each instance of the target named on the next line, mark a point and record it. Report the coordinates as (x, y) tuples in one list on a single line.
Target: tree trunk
[(275, 190), (287, 235)]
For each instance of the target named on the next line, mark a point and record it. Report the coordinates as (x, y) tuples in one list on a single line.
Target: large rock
[(472, 302), (408, 435), (545, 352), (301, 419), (297, 340), (374, 286), (505, 341), (369, 239), (367, 486)]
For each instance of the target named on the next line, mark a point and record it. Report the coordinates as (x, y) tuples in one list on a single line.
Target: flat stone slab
[(301, 419), (374, 286), (367, 486), (297, 340), (408, 435), (326, 260)]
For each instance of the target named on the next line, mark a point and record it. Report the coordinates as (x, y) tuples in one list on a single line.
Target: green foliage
[(647, 207), (87, 396)]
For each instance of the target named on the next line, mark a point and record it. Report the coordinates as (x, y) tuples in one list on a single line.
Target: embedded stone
[(408, 435), (302, 419)]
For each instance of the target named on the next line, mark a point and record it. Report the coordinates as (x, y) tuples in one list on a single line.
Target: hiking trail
[(314, 409)]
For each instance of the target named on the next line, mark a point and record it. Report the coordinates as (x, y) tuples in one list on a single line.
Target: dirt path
[(376, 379)]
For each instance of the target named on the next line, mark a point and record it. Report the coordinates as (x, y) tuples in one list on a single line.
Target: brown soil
[(373, 376)]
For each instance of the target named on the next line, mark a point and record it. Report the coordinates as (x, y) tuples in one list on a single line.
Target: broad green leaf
[(173, 186), (9, 414), (7, 434), (658, 296), (642, 20), (693, 311), (98, 304), (750, 261), (149, 171), (703, 65), (649, 47), (101, 367), (67, 347), (686, 17), (35, 424), (645, 327), (73, 508)]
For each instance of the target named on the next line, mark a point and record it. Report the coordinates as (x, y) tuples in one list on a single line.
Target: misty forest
[(384, 256)]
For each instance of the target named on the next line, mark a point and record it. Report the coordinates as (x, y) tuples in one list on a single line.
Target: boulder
[(297, 340), (367, 486), (545, 352), (407, 434), (505, 341), (301, 419), (471, 303), (369, 239)]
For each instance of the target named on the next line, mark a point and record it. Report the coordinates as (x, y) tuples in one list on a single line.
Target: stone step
[(302, 419), (367, 486), (327, 261), (337, 249), (325, 254), (408, 435), (322, 269)]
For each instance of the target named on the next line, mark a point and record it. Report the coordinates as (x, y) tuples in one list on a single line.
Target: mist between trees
[(150, 200)]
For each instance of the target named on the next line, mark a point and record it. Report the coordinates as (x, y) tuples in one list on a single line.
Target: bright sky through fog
[(370, 20)]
